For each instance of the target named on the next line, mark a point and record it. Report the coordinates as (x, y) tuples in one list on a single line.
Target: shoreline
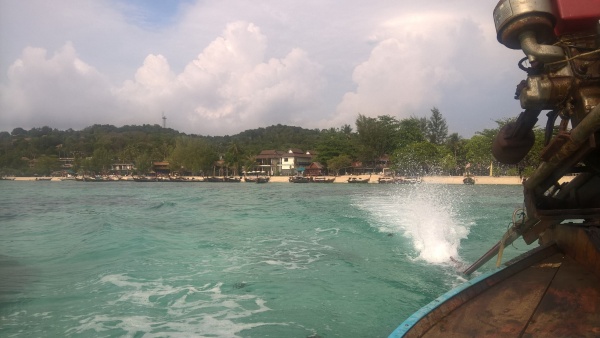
[(479, 180)]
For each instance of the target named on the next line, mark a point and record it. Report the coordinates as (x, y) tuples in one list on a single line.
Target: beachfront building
[(122, 168), (295, 161), (377, 166), (315, 169), (66, 162), (161, 168), (382, 163), (269, 161)]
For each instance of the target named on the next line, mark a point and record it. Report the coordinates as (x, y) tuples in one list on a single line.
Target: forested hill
[(278, 137), (127, 143), (272, 137), (412, 145)]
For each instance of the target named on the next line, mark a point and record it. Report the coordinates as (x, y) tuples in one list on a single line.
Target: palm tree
[(233, 157)]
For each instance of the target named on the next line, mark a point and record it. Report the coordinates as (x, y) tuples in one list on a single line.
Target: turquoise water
[(235, 260)]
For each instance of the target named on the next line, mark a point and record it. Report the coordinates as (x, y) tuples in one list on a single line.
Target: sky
[(224, 66)]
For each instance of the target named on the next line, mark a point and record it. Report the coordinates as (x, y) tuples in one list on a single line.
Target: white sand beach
[(515, 180), (483, 180)]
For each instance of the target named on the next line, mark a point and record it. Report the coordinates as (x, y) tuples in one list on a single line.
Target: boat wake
[(170, 307), (427, 215)]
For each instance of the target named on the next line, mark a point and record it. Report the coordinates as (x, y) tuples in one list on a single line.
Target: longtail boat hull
[(554, 290), (544, 292)]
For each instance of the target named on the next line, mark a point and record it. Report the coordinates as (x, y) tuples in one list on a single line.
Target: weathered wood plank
[(570, 307), (503, 310)]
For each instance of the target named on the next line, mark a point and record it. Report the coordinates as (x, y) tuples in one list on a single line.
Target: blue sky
[(221, 67), (153, 14)]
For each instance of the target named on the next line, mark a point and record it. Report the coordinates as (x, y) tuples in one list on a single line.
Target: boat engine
[(561, 43)]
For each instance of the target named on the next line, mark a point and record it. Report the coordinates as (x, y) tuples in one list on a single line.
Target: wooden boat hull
[(298, 179), (322, 180), (555, 290), (259, 179), (358, 180), (551, 291), (387, 180)]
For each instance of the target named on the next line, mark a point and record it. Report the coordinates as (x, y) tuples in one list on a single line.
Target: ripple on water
[(162, 307)]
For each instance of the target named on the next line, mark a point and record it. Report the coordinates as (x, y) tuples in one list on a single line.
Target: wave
[(162, 204), (427, 215), (168, 308)]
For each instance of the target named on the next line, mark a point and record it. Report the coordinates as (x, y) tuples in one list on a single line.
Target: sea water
[(236, 259)]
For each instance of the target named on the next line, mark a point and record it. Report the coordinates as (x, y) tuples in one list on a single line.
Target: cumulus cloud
[(229, 85), (46, 89), (418, 62), (213, 68)]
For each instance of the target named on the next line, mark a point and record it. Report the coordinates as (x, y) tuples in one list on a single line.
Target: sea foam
[(427, 215)]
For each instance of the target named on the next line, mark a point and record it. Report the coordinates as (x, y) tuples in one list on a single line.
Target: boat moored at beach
[(321, 179), (144, 179), (469, 180), (263, 179), (226, 179), (388, 180), (359, 180), (250, 179), (298, 179), (554, 289), (410, 180), (256, 179)]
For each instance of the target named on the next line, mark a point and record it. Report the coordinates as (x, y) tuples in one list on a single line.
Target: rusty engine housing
[(561, 42)]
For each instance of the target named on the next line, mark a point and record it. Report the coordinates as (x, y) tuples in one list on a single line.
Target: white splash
[(426, 215)]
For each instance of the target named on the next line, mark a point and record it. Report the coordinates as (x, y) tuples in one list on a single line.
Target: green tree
[(46, 165), (333, 143), (143, 163), (437, 129), (249, 163), (418, 158), (338, 163), (101, 160), (455, 145), (346, 129), (479, 153), (377, 136), (85, 166), (161, 150), (233, 157), (194, 154), (449, 164), (18, 132), (128, 153), (410, 131)]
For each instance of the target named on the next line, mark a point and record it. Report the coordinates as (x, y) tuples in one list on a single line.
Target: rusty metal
[(554, 146), (556, 295), (512, 17), (578, 136), (564, 78)]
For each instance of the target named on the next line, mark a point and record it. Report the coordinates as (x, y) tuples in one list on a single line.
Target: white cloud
[(418, 62), (45, 90), (216, 68), (229, 87)]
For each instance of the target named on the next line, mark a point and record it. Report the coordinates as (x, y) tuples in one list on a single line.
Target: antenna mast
[(164, 118)]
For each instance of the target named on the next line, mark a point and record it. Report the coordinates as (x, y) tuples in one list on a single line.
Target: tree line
[(414, 146)]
